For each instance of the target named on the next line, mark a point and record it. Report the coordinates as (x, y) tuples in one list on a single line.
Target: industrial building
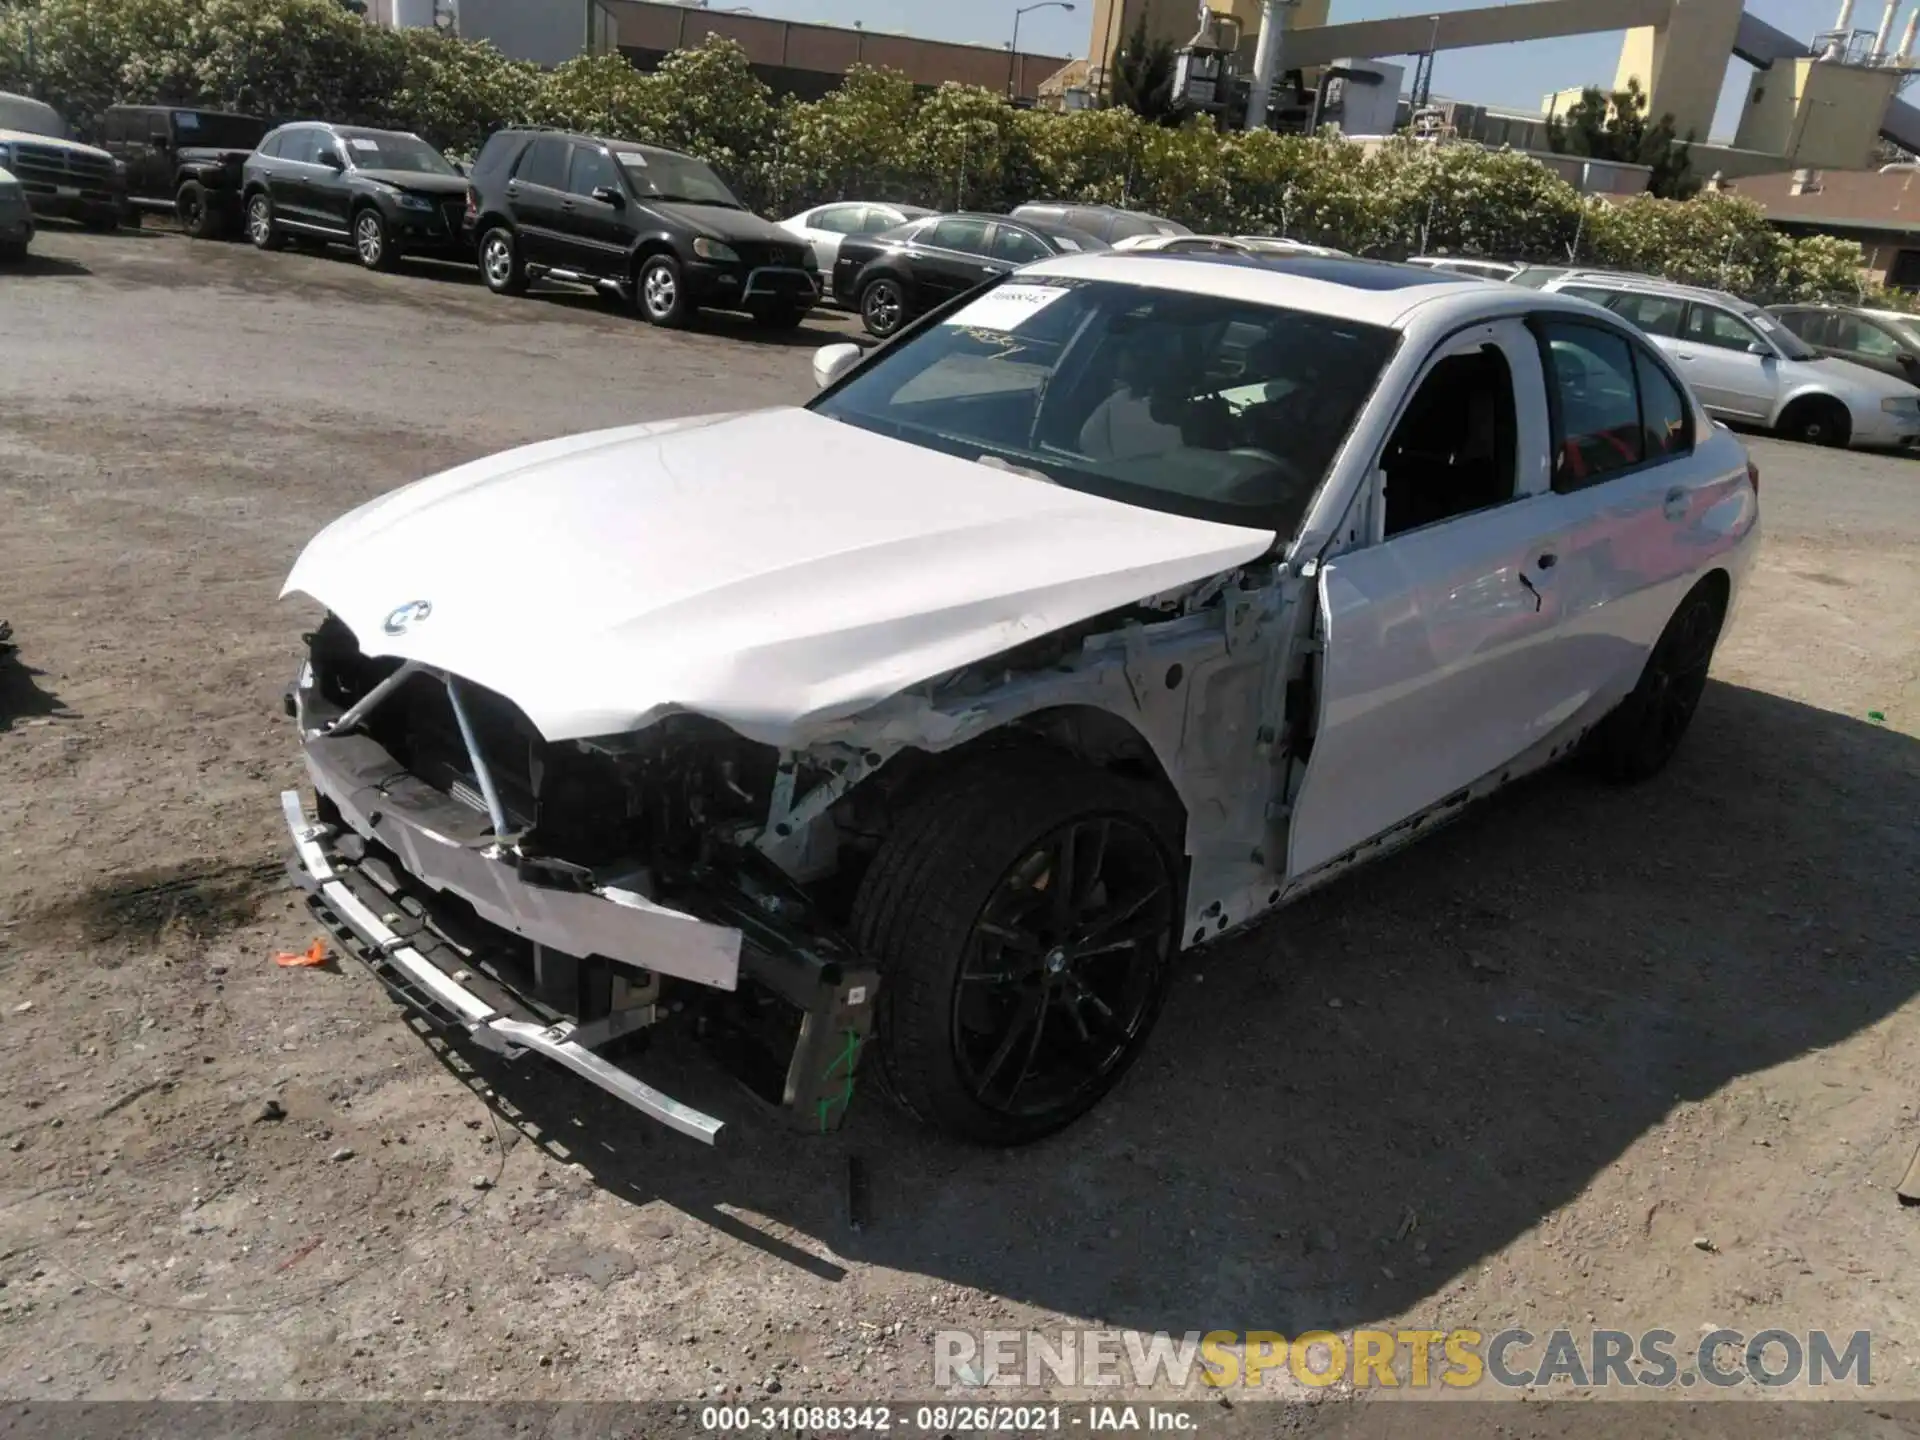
[(1819, 100), (794, 58)]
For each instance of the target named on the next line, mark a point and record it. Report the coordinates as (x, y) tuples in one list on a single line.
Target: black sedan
[(894, 276), (384, 192)]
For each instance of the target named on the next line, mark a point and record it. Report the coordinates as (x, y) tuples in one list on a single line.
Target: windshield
[(662, 175), (1189, 404), (17, 112), (1790, 344), (221, 132), (387, 151)]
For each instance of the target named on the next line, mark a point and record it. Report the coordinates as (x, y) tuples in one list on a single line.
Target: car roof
[(1375, 292), (1648, 285)]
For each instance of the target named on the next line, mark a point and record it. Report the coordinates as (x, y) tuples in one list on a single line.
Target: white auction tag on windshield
[(631, 157), (360, 144), (1007, 308)]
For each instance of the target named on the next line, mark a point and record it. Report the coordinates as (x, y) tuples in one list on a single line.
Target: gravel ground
[(1511, 1076)]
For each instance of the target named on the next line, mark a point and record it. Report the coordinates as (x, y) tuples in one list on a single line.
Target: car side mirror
[(160, 143), (607, 195), (1758, 347), (331, 160), (830, 362)]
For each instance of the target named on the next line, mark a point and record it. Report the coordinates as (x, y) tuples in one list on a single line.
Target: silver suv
[(1746, 366)]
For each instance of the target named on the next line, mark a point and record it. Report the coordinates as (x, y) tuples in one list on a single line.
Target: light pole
[(1013, 49)]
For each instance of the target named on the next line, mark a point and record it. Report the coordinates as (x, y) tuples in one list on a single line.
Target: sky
[(1512, 75)]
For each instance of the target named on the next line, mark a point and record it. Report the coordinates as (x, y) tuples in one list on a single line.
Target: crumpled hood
[(419, 182), (775, 570)]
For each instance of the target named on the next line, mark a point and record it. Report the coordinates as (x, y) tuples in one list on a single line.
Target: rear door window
[(1016, 246), (1596, 403), (301, 146), (1652, 314), (970, 237), (838, 219), (544, 163), (1710, 325), (1809, 325)]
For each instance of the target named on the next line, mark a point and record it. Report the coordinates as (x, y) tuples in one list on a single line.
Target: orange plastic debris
[(314, 954)]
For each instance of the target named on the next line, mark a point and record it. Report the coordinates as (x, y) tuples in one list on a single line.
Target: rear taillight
[(473, 204), (1753, 477)]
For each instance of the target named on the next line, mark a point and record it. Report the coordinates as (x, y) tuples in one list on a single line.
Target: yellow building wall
[(1820, 115), (1683, 66)]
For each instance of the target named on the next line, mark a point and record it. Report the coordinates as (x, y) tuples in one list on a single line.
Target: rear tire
[(1025, 916), (1640, 736), (198, 215), (1817, 420), (501, 267), (883, 306), (262, 228), (660, 292)]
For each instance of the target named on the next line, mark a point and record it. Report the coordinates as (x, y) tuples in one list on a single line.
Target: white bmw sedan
[(1093, 617)]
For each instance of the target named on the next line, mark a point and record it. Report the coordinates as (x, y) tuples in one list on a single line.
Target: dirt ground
[(1509, 1077)]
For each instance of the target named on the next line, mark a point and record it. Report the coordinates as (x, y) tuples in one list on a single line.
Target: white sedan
[(1107, 611), (1260, 246), (825, 226)]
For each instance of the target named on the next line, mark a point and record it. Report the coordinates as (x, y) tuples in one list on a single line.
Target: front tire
[(1024, 917), (101, 222), (1639, 737), (371, 241), (1817, 420), (500, 264), (660, 292), (262, 228), (883, 306)]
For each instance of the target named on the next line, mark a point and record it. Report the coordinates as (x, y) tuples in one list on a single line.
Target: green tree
[(1143, 75), (1614, 126), (848, 142)]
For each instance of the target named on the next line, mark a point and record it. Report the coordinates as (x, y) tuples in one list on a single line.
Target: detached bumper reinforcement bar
[(490, 1028)]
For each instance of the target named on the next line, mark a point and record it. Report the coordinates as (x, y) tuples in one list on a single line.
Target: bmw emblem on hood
[(403, 616)]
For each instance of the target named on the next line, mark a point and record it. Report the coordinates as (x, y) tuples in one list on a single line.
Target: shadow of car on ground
[(1389, 1080)]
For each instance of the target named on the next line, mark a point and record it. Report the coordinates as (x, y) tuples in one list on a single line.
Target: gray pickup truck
[(60, 176)]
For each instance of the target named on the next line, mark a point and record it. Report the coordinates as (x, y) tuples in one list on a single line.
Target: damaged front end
[(564, 898)]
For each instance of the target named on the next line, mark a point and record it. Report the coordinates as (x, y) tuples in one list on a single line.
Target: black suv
[(655, 226), (186, 161), (385, 192)]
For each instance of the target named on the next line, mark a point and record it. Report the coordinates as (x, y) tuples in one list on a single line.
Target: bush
[(875, 137)]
